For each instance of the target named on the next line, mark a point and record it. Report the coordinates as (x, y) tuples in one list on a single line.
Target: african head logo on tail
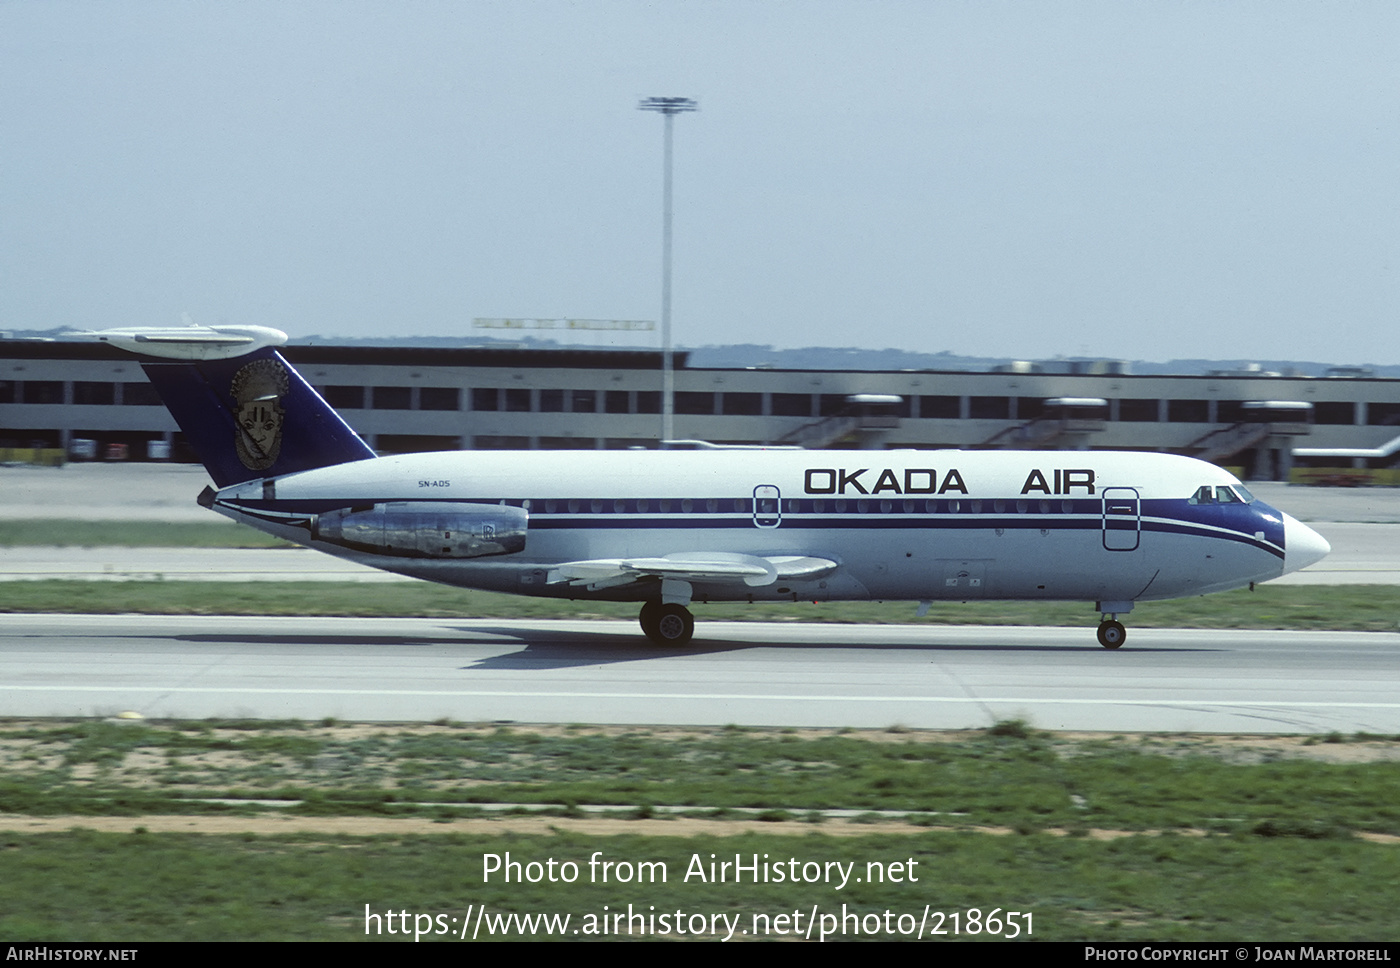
[(257, 390)]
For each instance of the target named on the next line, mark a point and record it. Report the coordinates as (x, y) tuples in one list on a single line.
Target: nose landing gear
[(1112, 634)]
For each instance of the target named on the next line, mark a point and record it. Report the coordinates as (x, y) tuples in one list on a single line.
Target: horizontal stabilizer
[(187, 342)]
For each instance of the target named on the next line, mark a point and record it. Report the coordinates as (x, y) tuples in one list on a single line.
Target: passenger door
[(1122, 519)]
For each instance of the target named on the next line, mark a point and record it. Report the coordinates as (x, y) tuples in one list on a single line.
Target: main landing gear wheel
[(1112, 635), (667, 624)]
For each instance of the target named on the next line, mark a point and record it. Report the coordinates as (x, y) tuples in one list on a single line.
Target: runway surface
[(416, 670)]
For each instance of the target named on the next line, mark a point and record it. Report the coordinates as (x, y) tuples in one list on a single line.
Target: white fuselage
[(917, 525)]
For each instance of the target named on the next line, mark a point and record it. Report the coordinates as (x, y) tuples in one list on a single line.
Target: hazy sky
[(1138, 180)]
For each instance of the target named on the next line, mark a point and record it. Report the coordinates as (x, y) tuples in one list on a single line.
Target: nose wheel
[(667, 624), (1112, 634)]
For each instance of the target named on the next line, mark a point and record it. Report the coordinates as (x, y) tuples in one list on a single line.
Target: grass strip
[(88, 886), (61, 533), (1219, 838), (1007, 776)]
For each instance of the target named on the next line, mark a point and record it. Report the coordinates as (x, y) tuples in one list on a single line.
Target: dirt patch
[(372, 826), (271, 825)]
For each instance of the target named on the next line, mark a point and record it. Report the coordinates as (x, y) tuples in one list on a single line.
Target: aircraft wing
[(700, 566)]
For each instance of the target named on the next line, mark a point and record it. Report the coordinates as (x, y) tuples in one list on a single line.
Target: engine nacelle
[(426, 529)]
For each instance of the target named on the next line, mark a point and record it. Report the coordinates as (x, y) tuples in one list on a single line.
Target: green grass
[(83, 886), (1341, 607), (1215, 839), (1007, 776), (61, 533)]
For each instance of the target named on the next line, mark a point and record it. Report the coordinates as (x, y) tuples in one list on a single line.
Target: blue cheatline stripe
[(277, 512)]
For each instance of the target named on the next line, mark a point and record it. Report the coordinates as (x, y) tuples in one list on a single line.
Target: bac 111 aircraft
[(669, 528)]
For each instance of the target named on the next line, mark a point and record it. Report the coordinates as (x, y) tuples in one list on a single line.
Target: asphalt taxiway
[(422, 670)]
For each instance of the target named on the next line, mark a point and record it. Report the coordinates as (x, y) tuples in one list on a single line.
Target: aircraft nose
[(1302, 546)]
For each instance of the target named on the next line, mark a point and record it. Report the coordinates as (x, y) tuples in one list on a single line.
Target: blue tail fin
[(254, 416)]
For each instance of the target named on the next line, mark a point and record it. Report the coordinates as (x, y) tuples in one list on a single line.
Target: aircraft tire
[(649, 618), (672, 625), (1112, 635)]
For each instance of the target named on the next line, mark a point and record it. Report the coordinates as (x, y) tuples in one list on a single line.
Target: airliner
[(668, 528)]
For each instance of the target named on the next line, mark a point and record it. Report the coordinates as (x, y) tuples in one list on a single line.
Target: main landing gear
[(667, 624)]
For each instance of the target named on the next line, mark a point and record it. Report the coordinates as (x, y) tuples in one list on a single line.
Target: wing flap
[(700, 566)]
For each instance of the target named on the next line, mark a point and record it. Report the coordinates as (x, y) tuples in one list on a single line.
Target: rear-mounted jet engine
[(426, 529)]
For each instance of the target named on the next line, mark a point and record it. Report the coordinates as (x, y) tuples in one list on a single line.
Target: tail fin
[(245, 411), (254, 416)]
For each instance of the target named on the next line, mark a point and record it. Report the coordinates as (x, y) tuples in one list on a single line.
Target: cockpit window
[(1205, 494)]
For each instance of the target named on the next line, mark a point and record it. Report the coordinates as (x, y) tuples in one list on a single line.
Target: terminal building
[(89, 400)]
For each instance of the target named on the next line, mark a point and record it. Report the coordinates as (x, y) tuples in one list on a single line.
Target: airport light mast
[(669, 107)]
